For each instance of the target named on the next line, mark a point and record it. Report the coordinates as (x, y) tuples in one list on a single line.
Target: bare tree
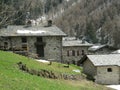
[(15, 11)]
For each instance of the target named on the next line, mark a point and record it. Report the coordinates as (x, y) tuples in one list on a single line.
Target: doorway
[(40, 47)]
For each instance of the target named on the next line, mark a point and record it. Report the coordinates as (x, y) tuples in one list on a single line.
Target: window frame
[(73, 52), (78, 53), (24, 39), (109, 70)]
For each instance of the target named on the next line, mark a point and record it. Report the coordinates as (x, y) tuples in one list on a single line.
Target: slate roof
[(31, 31), (105, 60), (96, 47), (71, 41)]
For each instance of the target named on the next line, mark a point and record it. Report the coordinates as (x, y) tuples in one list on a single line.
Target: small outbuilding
[(104, 69)]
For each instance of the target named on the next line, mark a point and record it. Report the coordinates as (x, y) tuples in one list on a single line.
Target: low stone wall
[(49, 74)]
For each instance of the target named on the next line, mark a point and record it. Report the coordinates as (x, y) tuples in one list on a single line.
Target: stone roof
[(96, 47), (31, 31), (105, 60), (72, 41)]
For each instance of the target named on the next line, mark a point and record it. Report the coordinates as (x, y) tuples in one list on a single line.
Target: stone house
[(104, 69), (43, 41), (74, 49), (101, 49)]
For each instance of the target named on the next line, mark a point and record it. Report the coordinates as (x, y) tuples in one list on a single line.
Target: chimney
[(49, 23), (29, 23), (83, 41)]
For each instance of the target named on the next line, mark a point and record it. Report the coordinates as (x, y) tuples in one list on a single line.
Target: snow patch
[(67, 0), (43, 61), (29, 31), (116, 87), (116, 52), (95, 47), (76, 70)]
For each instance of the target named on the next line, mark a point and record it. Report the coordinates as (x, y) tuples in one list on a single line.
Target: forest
[(17, 11), (96, 21)]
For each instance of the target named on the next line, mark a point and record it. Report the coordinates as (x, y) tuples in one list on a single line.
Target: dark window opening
[(83, 52), (39, 39), (78, 53), (40, 50), (68, 53), (24, 40), (73, 53), (109, 69), (40, 47)]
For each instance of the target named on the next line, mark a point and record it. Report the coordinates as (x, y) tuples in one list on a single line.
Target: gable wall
[(105, 77), (53, 48), (89, 68)]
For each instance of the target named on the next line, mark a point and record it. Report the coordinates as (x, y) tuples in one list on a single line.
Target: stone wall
[(105, 77), (16, 42), (75, 58), (31, 44), (2, 43), (89, 68), (52, 48), (50, 74)]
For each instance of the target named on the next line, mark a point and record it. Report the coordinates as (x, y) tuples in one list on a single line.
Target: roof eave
[(104, 65), (83, 59)]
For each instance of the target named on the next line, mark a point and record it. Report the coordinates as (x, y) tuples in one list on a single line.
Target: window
[(73, 53), (68, 53), (24, 40), (39, 39), (109, 69), (78, 53), (83, 52)]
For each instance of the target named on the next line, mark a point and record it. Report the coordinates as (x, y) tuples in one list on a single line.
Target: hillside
[(17, 12), (11, 78), (98, 21)]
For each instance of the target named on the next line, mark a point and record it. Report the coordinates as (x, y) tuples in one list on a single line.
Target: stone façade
[(48, 42)]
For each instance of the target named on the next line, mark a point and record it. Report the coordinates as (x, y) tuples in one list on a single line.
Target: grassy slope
[(11, 78)]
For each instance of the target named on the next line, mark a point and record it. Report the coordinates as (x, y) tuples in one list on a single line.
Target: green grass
[(11, 78)]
